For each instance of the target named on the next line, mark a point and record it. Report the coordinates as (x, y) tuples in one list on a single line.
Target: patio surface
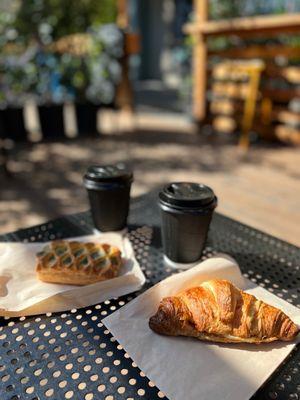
[(261, 189)]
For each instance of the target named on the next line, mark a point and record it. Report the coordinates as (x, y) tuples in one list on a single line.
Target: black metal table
[(71, 355)]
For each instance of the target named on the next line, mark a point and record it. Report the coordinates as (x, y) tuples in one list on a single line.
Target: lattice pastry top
[(77, 263)]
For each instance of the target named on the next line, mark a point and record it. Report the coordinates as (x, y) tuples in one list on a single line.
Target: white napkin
[(186, 368), (21, 293)]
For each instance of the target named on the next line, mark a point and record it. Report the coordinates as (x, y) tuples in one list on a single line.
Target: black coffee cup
[(186, 212), (108, 188)]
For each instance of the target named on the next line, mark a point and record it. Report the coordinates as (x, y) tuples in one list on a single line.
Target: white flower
[(102, 91), (11, 34), (45, 29)]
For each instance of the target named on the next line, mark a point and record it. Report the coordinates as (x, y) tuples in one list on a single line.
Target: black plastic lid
[(98, 175), (188, 195)]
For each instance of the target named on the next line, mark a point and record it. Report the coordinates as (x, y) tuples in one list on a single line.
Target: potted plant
[(104, 64), (104, 69), (75, 78), (92, 73), (49, 94), (17, 72), (11, 108)]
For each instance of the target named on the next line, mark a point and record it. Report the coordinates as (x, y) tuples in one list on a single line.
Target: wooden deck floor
[(261, 189)]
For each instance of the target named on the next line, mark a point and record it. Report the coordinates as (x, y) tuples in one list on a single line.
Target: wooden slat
[(267, 24), (289, 118), (230, 107), (290, 74), (236, 70), (280, 113), (288, 134), (276, 110), (229, 123), (230, 90), (281, 95), (256, 51), (224, 124), (223, 107)]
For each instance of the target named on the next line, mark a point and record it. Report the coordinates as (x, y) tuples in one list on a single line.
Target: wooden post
[(200, 63), (124, 95), (122, 14)]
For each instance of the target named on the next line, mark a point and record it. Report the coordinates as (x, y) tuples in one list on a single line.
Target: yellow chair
[(235, 91)]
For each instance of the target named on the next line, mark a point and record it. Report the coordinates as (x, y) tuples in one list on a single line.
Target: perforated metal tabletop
[(71, 355)]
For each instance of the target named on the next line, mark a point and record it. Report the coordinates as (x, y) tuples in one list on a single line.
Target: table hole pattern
[(71, 354)]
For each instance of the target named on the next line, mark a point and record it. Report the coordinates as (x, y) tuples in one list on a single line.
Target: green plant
[(220, 9), (18, 77), (30, 64), (74, 76), (94, 75), (49, 20)]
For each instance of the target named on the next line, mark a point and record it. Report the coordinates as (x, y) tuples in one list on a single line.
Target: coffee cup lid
[(188, 195), (97, 174)]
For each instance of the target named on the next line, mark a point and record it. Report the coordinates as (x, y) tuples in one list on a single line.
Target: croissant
[(218, 311)]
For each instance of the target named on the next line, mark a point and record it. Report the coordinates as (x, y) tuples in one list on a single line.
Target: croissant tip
[(157, 326), (152, 323), (295, 332)]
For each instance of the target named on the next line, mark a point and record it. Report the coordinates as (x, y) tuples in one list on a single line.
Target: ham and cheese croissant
[(218, 311)]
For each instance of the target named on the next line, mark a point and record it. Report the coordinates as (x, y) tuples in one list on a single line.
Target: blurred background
[(179, 90)]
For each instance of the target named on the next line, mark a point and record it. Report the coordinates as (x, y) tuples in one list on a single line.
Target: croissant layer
[(218, 311)]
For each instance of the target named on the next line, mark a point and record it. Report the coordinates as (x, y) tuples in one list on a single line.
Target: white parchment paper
[(186, 368), (21, 293)]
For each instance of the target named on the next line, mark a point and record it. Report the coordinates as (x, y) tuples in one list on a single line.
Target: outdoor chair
[(234, 96)]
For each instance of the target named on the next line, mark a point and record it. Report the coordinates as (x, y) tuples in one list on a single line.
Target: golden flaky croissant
[(218, 311)]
